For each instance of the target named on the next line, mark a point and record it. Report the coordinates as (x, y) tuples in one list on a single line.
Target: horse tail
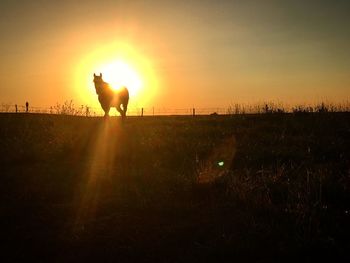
[(125, 94)]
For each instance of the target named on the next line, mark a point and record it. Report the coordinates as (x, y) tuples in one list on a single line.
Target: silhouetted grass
[(69, 108), (88, 189)]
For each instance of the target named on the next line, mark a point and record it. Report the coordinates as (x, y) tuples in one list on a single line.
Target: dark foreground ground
[(272, 187)]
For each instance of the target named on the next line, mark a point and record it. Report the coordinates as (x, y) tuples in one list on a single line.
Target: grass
[(265, 187)]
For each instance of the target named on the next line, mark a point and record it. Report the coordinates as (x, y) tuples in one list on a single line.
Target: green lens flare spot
[(221, 163)]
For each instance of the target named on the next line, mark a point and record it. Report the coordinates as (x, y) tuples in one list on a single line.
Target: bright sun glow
[(119, 74), (120, 65)]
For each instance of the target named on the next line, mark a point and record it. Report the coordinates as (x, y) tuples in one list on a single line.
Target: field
[(264, 187)]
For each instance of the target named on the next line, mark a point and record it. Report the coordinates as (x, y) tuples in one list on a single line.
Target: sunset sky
[(179, 53)]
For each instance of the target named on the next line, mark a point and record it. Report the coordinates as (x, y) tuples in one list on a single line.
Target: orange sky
[(187, 53)]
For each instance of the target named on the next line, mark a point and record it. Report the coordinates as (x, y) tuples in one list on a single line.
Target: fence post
[(193, 112), (141, 112)]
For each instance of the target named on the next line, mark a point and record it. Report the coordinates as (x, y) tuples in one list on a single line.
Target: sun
[(118, 74), (121, 65)]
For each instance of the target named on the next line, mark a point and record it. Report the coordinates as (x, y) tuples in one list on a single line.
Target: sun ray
[(98, 173)]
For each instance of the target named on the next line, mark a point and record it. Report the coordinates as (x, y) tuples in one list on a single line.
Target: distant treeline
[(69, 108)]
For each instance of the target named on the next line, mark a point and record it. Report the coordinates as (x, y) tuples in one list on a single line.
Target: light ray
[(98, 173)]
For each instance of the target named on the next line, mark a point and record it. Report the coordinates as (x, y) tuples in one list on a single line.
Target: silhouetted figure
[(109, 98), (16, 108), (27, 106)]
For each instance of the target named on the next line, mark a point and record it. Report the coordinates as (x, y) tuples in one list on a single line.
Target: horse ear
[(94, 75), (100, 74)]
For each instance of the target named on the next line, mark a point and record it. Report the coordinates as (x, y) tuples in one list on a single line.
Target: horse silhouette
[(109, 98)]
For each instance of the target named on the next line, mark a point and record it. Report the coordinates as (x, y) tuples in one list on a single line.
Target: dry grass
[(268, 187)]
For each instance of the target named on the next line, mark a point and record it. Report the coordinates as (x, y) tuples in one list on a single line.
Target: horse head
[(98, 81)]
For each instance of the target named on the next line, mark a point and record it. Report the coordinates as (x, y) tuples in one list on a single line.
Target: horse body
[(109, 98)]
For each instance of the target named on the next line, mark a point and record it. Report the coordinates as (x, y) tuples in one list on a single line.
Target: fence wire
[(68, 108)]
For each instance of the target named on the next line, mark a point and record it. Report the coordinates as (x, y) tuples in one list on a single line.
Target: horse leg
[(119, 110), (106, 110), (125, 108)]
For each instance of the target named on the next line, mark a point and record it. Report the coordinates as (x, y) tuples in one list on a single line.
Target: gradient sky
[(202, 53)]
